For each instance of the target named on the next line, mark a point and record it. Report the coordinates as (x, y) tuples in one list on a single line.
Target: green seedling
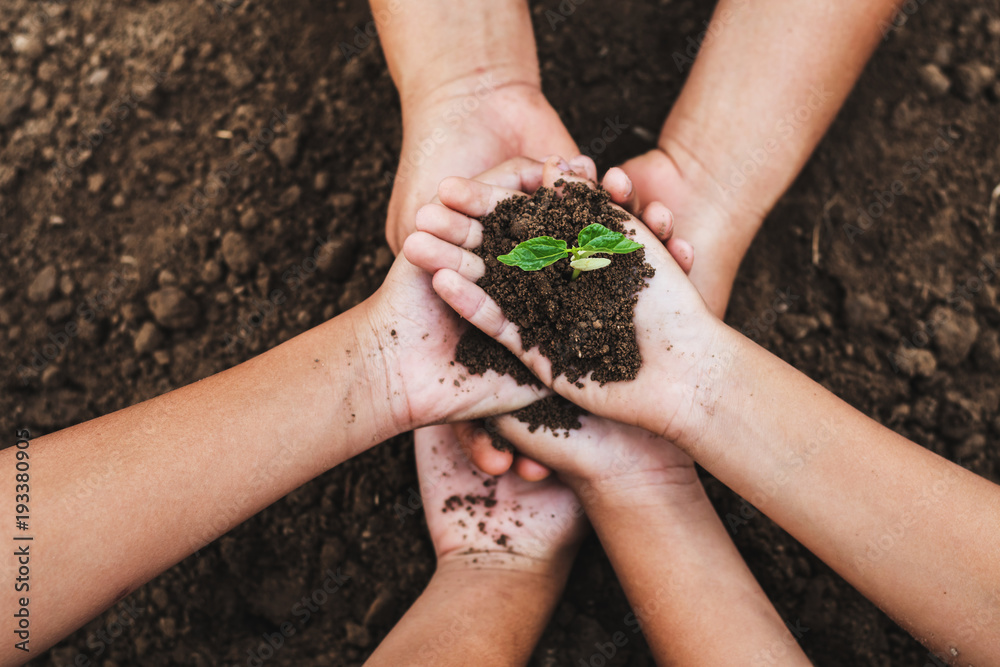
[(541, 251)]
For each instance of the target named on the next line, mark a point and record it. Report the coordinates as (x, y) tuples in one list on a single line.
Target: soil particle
[(173, 309), (864, 311), (954, 335), (43, 286), (934, 80), (147, 339), (239, 254), (915, 362), (972, 78)]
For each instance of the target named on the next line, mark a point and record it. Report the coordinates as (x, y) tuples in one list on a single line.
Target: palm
[(420, 332), (444, 139), (491, 515)]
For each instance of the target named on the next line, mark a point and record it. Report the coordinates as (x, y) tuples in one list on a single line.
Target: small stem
[(576, 274)]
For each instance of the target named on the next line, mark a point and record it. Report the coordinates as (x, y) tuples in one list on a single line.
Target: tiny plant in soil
[(541, 251)]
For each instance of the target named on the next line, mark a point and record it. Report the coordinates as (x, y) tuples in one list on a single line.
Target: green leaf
[(535, 254), (598, 238), (590, 263)]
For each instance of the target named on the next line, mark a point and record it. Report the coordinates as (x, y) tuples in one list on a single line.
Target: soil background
[(109, 228)]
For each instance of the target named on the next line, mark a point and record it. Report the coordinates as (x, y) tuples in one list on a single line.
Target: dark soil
[(582, 326), (109, 233), (554, 413)]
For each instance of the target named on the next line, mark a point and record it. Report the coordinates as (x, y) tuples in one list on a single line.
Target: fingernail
[(563, 165)]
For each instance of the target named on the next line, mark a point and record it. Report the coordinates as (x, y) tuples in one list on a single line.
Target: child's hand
[(677, 335), (416, 334), (481, 521), (606, 461)]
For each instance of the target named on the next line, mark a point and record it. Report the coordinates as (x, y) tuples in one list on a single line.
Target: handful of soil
[(582, 326)]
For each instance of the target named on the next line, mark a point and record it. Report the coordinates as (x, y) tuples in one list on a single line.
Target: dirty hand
[(676, 333), (493, 522), (464, 134)]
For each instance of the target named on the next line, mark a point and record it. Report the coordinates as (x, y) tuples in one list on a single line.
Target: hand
[(713, 223), (607, 458), (508, 524), (675, 331), (442, 138)]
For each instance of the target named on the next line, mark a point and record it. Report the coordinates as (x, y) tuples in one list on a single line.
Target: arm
[(677, 564), (914, 532), (470, 91), (487, 603), (767, 82), (177, 471), (471, 616)]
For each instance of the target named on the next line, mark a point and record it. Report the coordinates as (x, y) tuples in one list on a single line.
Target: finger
[(431, 254), (682, 252), (557, 169), (473, 304), (450, 226), (660, 220), (473, 198), (621, 189), (584, 166), (530, 470), (477, 446), (520, 173)]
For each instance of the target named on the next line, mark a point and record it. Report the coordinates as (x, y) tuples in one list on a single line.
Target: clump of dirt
[(553, 412), (582, 326)]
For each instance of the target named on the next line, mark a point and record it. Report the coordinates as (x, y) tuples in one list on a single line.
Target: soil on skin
[(582, 326), (612, 69)]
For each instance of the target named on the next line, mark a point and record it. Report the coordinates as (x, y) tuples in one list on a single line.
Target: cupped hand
[(711, 221), (465, 135), (675, 330), (493, 522)]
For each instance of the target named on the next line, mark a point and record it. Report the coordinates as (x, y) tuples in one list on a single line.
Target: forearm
[(437, 47), (766, 84), (117, 500), (915, 533), (474, 616), (685, 579)]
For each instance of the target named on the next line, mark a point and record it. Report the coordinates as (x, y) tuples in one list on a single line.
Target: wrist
[(377, 397), (540, 578), (735, 208)]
